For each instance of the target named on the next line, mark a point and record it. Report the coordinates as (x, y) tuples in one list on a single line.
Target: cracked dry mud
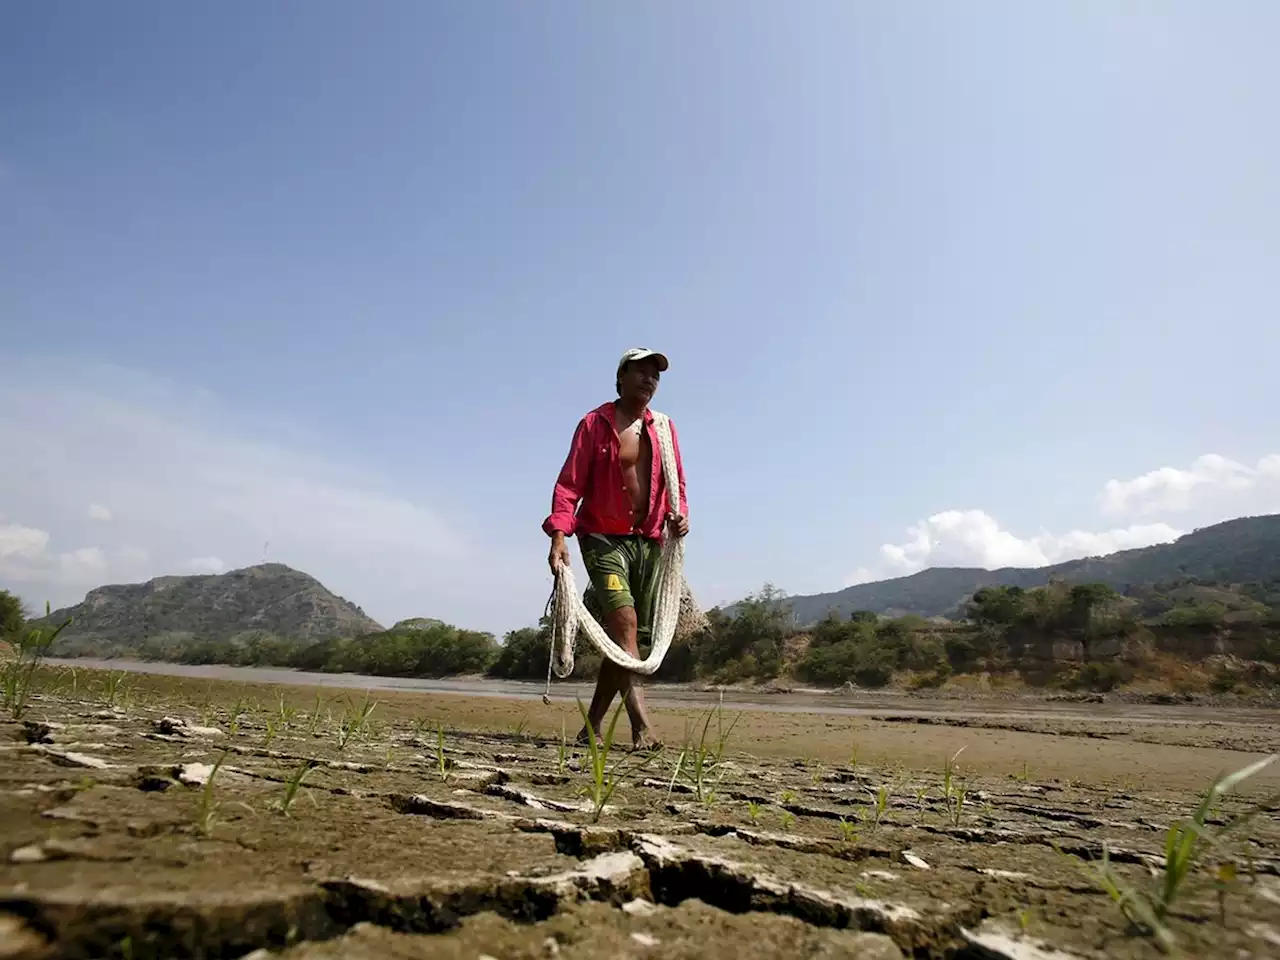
[(379, 856)]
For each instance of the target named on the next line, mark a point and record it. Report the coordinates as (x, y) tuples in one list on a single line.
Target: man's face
[(640, 379)]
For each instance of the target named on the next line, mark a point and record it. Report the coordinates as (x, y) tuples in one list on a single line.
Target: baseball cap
[(643, 353)]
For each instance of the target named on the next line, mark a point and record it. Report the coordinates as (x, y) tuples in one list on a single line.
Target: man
[(614, 470)]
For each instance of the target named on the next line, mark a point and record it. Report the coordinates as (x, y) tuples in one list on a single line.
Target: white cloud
[(204, 565), (961, 538), (973, 538), (19, 542), (27, 557), (186, 480), (1212, 483), (98, 512)]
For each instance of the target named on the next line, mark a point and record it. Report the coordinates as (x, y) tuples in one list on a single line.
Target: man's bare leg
[(621, 625), (602, 699)]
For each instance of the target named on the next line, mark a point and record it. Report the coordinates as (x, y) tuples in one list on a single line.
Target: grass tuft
[(112, 687), (285, 714), (293, 785), (704, 759), (954, 791), (879, 803), (1187, 843), (17, 675), (314, 718), (442, 762), (603, 778), (354, 720), (207, 809)]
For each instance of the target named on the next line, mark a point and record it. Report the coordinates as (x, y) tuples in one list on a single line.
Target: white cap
[(643, 353)]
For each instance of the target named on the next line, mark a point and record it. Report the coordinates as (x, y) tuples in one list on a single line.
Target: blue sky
[(330, 283)]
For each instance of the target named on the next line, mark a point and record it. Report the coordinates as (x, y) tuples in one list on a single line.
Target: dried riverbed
[(112, 845)]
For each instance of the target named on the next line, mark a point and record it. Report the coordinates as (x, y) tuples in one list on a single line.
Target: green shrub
[(12, 616), (524, 655), (1101, 676), (928, 681), (861, 662), (1223, 680), (832, 664), (1269, 650), (961, 652), (1204, 616), (874, 668)]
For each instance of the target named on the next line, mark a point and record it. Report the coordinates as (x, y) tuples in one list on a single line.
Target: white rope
[(569, 613)]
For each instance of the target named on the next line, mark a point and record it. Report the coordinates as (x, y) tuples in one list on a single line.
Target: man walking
[(614, 472)]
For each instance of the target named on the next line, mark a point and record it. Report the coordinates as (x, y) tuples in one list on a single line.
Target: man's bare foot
[(581, 739), (645, 741)]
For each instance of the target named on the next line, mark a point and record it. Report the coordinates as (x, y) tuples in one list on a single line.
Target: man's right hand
[(559, 552)]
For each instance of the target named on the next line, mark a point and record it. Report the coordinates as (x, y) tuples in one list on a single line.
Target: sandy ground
[(814, 836)]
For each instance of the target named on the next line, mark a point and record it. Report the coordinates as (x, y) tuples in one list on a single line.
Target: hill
[(1237, 551), (270, 599)]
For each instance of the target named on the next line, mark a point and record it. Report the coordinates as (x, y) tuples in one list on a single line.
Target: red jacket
[(592, 476)]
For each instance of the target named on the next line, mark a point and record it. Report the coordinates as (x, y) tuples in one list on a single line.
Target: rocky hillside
[(1237, 551), (270, 599)]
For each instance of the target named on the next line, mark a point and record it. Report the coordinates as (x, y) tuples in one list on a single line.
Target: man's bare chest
[(633, 444)]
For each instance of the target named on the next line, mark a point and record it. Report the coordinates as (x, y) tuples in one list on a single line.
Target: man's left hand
[(679, 524)]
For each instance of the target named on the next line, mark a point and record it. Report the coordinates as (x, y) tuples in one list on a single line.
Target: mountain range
[(1236, 551)]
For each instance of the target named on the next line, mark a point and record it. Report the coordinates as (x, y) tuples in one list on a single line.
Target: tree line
[(1003, 629)]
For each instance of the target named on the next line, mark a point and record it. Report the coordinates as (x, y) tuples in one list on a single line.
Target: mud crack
[(676, 875)]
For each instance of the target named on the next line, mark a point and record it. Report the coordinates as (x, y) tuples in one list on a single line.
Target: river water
[(860, 703)]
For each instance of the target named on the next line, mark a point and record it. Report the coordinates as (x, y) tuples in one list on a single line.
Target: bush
[(1260, 675), (680, 665), (524, 655), (1269, 651), (1101, 676), (1223, 681), (874, 668), (849, 660), (12, 616), (832, 664), (743, 668), (762, 622), (925, 654), (937, 678), (961, 652), (1207, 616), (997, 606)]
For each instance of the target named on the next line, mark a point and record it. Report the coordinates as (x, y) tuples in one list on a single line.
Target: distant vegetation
[(1192, 635), (1062, 635), (1189, 630), (412, 648)]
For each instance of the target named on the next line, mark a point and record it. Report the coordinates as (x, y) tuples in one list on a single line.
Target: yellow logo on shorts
[(613, 583)]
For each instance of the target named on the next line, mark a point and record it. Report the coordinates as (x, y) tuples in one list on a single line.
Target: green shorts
[(624, 573)]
